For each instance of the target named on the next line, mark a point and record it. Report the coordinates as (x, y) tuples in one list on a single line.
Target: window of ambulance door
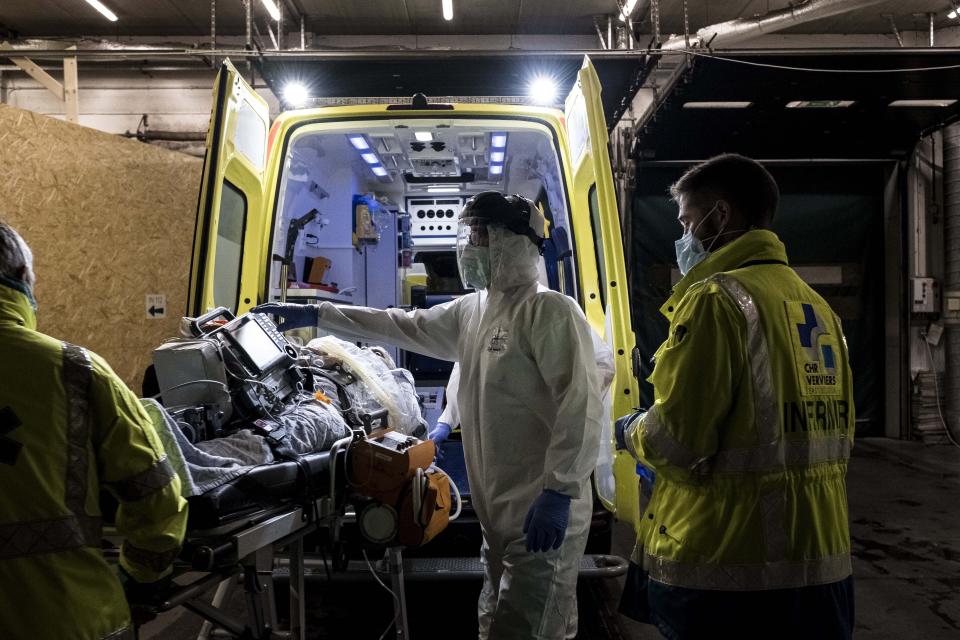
[(598, 248), (229, 252)]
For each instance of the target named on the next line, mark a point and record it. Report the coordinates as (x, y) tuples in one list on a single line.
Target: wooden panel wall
[(110, 221)]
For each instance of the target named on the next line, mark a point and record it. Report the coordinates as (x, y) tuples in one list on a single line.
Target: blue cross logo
[(808, 331)]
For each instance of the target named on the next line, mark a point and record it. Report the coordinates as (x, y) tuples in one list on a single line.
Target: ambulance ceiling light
[(359, 142)]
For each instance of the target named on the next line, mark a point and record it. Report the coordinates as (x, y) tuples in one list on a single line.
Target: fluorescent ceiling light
[(295, 94), (447, 10), (379, 171), (359, 143), (423, 136), (106, 13), (496, 169), (270, 6), (542, 90), (628, 8), (370, 158), (952, 15), (922, 103), (819, 104), (498, 140), (496, 156), (716, 105), (443, 190)]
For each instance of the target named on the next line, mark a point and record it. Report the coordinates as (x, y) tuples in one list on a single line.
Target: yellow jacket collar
[(16, 308), (758, 245)]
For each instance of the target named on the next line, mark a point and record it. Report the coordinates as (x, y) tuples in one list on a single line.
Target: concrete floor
[(905, 526)]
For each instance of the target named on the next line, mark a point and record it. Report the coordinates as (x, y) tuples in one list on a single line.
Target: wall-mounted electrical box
[(951, 307), (926, 295)]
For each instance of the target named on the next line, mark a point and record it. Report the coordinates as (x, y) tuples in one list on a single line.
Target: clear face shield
[(473, 252)]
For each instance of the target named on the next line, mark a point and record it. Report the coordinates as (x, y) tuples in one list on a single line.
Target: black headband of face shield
[(512, 212)]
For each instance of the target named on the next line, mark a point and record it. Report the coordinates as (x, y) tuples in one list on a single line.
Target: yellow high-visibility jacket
[(750, 431), (69, 426)]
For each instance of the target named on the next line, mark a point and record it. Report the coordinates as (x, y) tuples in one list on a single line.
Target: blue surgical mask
[(689, 248)]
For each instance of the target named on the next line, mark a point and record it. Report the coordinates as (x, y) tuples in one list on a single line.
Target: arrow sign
[(156, 306), (9, 448)]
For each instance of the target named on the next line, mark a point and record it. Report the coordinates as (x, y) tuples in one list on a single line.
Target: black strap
[(754, 263)]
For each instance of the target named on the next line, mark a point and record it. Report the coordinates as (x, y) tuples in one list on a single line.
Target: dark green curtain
[(829, 215)]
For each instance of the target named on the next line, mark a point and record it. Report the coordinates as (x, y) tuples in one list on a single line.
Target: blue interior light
[(370, 158), (498, 140), (378, 170), (496, 169), (496, 156)]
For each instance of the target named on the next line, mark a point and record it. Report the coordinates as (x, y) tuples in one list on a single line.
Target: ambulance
[(358, 204)]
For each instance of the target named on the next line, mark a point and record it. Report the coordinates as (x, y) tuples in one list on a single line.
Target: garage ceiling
[(869, 128), (45, 18)]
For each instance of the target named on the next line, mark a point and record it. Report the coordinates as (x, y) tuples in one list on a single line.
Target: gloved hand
[(620, 429), (439, 434), (142, 596), (293, 316), (546, 522)]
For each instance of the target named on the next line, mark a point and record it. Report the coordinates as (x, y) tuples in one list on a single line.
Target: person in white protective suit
[(530, 410)]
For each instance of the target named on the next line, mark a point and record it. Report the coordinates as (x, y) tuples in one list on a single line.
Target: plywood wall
[(110, 221)]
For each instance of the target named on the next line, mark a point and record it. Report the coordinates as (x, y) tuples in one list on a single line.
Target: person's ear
[(724, 214)]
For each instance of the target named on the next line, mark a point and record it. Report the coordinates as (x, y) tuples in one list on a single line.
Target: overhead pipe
[(158, 53), (734, 31)]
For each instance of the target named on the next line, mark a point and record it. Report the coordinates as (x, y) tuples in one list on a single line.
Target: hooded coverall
[(749, 434), (530, 414), (69, 426)]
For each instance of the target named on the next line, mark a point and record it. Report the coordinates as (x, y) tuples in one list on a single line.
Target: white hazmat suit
[(531, 417)]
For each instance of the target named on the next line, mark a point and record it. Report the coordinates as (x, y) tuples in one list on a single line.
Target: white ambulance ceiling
[(27, 18)]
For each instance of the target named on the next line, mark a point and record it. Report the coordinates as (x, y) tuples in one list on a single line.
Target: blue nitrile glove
[(293, 316), (620, 429), (439, 435), (546, 522)]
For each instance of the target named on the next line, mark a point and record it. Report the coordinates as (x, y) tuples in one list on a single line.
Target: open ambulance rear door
[(232, 203), (603, 278)]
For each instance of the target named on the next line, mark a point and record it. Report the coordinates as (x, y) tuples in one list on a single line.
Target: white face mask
[(474, 264), (689, 248)]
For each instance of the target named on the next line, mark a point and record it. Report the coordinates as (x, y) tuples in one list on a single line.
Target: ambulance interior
[(367, 214)]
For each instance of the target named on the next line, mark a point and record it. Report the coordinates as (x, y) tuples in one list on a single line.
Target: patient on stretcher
[(223, 411)]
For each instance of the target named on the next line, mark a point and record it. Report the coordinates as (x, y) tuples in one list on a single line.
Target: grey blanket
[(310, 426)]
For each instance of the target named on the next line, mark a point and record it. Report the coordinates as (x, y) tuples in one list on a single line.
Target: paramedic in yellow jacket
[(746, 532), (69, 427)]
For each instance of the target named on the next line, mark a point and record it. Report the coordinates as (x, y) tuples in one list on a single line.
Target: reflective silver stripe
[(658, 439), (76, 375), (749, 577), (795, 453), (121, 634), (155, 560), (144, 483), (766, 416), (628, 433), (22, 539)]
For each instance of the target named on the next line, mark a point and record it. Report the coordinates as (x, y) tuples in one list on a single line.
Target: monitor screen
[(261, 350)]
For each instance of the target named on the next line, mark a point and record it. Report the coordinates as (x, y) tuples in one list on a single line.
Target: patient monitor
[(232, 368)]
